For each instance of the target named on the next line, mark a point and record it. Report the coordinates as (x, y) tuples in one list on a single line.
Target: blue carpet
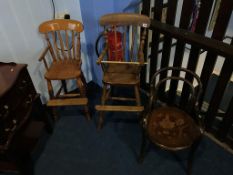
[(76, 147)]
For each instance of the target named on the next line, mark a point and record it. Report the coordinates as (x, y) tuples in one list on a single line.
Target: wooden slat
[(146, 11), (201, 26), (73, 44), (124, 41), (50, 47), (171, 14), (69, 95), (61, 45), (180, 45), (212, 45), (132, 44), (119, 108), (223, 79), (54, 37), (141, 57), (227, 122), (115, 43), (146, 7), (220, 27), (67, 102), (67, 45), (155, 38), (78, 47), (122, 98)]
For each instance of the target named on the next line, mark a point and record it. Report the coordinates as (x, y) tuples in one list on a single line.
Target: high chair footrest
[(119, 108), (67, 102)]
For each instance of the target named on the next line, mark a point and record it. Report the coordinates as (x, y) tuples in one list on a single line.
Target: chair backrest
[(195, 88), (123, 36), (63, 38)]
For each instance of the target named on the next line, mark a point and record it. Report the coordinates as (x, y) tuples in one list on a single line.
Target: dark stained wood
[(212, 45), (171, 15), (227, 122), (8, 75), (201, 26), (145, 7), (155, 38), (171, 127), (166, 128), (219, 89), (199, 44), (220, 27), (20, 109), (180, 45)]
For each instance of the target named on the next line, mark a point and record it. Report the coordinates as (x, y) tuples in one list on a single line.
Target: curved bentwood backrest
[(63, 38), (195, 91)]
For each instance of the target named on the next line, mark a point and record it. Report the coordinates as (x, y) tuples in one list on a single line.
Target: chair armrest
[(42, 57), (102, 55)]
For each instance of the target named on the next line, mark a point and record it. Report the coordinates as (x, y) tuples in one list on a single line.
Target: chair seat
[(172, 128), (121, 79), (62, 70)]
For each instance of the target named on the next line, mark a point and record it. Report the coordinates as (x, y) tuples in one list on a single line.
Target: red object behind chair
[(115, 49)]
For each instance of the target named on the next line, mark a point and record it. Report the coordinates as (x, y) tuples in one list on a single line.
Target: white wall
[(20, 40)]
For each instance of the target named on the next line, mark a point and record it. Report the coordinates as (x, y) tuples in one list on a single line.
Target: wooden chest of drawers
[(22, 117), (16, 96)]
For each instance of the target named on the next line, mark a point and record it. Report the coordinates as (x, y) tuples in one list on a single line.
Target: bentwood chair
[(122, 59), (170, 125), (64, 63)]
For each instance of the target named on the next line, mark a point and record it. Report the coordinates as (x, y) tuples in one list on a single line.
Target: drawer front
[(14, 107)]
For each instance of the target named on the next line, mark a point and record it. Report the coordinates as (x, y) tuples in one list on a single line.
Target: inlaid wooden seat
[(168, 123), (172, 128)]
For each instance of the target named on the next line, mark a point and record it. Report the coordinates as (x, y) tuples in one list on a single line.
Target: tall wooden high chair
[(122, 59), (63, 39)]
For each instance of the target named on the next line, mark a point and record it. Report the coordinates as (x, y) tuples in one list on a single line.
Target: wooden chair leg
[(191, 156), (143, 146), (101, 113), (83, 94), (137, 95), (83, 80), (51, 96), (64, 86), (50, 89)]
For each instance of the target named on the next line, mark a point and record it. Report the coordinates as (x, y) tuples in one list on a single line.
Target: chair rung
[(68, 95), (67, 102), (122, 99), (119, 108)]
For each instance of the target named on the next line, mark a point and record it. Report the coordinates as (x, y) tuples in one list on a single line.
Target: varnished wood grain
[(119, 108), (67, 102)]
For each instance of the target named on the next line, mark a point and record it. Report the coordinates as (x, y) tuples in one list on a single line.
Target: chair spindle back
[(63, 38), (122, 36)]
